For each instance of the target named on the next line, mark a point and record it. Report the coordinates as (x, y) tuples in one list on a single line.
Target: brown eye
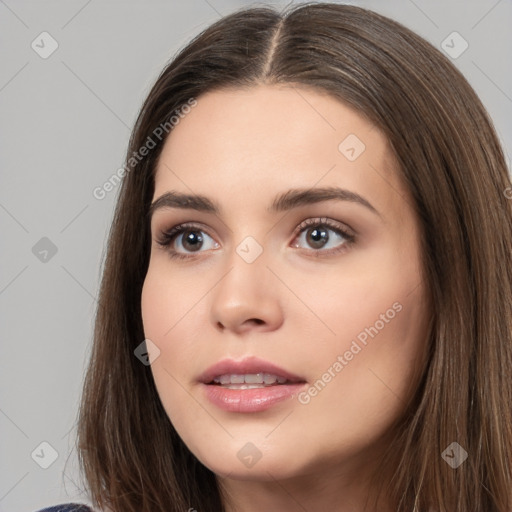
[(183, 240), (316, 237), (192, 240), (323, 233)]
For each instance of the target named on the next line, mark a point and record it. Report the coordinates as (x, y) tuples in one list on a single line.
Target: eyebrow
[(291, 199)]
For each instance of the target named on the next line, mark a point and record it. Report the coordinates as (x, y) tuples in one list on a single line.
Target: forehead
[(250, 143)]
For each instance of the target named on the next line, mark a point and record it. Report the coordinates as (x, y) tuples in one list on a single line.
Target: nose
[(247, 298)]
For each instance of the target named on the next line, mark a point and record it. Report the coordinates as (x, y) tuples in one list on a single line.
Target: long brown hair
[(451, 161)]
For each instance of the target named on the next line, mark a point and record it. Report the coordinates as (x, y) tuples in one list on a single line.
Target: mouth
[(249, 380), (249, 385)]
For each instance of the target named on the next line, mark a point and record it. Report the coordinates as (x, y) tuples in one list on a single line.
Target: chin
[(243, 460)]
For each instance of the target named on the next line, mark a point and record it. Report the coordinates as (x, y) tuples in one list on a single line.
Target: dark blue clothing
[(67, 507)]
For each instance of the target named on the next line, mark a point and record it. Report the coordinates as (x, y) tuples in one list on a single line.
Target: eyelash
[(167, 237)]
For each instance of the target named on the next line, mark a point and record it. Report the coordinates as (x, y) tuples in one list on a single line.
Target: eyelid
[(169, 234), (326, 221)]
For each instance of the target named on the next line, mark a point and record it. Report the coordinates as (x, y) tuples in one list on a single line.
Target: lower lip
[(250, 400)]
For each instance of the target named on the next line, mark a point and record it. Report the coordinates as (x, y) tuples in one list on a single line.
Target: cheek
[(361, 381), (168, 321), (165, 319), (373, 338), (162, 309), (168, 301)]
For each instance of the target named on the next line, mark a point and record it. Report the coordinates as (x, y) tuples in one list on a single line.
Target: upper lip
[(248, 365)]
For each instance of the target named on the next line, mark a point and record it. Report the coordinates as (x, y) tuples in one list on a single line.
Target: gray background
[(65, 122)]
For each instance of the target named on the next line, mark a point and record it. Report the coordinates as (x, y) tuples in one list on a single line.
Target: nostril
[(257, 321)]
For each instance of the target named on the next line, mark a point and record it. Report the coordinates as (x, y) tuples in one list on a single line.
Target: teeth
[(269, 379), (248, 381), (244, 386), (254, 378), (224, 379)]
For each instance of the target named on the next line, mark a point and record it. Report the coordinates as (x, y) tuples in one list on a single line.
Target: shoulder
[(67, 507)]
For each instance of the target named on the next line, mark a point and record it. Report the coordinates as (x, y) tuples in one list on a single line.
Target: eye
[(188, 238), (183, 240), (315, 233)]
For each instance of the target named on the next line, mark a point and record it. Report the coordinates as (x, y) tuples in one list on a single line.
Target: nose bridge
[(250, 250), (244, 293), (247, 262)]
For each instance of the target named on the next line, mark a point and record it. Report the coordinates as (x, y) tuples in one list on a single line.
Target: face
[(287, 317)]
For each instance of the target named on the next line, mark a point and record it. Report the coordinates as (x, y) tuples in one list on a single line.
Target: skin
[(298, 307)]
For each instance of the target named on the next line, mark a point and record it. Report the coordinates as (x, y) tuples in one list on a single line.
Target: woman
[(306, 301)]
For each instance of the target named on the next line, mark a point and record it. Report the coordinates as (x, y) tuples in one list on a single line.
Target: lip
[(248, 400)]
